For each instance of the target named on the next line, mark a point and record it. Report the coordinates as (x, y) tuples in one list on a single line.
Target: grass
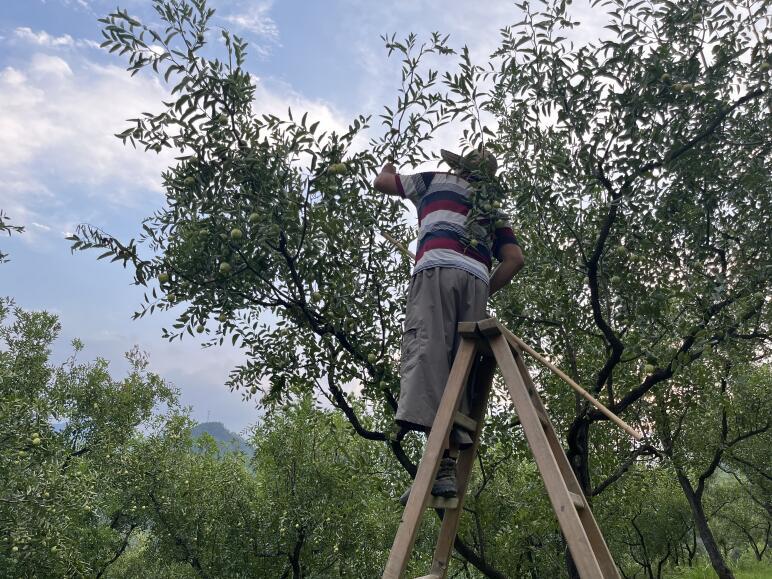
[(745, 568)]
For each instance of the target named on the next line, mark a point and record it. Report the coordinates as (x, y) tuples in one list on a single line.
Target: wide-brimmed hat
[(476, 161)]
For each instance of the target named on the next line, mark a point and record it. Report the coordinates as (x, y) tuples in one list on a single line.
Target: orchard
[(636, 171)]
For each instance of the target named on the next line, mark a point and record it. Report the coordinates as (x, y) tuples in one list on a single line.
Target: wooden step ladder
[(484, 346)]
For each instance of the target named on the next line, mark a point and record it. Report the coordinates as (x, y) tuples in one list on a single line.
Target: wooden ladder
[(484, 346)]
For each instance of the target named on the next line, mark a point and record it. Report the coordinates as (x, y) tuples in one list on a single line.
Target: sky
[(62, 99)]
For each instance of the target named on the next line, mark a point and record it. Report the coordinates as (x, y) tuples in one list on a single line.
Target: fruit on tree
[(190, 181), (616, 280), (236, 234), (200, 329), (372, 358), (225, 267), (337, 169), (163, 277), (254, 217), (648, 368)]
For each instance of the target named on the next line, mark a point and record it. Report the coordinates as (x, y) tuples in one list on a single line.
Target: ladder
[(484, 346)]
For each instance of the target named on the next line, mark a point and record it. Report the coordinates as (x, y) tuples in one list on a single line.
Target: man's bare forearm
[(503, 274)]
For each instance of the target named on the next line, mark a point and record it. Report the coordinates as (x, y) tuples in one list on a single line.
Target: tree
[(698, 426), (64, 429), (638, 167)]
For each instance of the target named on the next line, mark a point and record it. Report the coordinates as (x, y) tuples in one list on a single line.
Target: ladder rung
[(443, 503), (465, 422), (577, 500)]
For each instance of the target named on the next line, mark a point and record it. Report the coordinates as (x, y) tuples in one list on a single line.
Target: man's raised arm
[(386, 181)]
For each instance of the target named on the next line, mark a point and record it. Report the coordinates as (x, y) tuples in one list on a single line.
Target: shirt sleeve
[(413, 187), (502, 236)]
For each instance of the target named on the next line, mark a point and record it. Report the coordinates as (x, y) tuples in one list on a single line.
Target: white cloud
[(43, 64), (56, 135), (42, 38), (252, 17), (57, 125)]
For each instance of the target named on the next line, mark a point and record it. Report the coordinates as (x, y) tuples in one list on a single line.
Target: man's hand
[(512, 261), (386, 181)]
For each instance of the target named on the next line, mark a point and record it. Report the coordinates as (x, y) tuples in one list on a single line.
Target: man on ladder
[(451, 283)]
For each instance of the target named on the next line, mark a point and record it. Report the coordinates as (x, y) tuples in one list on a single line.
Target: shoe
[(444, 483)]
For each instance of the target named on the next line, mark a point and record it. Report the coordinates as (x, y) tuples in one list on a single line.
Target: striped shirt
[(443, 202)]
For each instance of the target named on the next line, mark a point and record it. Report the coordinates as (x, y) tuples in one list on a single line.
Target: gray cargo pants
[(439, 298)]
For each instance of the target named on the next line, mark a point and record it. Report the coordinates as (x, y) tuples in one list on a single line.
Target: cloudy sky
[(62, 98)]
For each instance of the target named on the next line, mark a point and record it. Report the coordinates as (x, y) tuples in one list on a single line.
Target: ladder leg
[(594, 535), (482, 384), (560, 497), (429, 465)]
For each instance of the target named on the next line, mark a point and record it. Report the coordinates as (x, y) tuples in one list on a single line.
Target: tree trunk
[(701, 523), (579, 456)]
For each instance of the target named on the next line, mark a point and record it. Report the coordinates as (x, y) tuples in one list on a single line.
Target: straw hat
[(476, 161)]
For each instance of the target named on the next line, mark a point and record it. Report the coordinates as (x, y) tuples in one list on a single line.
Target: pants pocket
[(410, 350)]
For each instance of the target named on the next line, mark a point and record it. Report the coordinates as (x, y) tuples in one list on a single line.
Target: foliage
[(9, 229), (638, 167), (63, 429)]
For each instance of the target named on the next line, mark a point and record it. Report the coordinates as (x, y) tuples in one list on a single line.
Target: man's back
[(443, 201)]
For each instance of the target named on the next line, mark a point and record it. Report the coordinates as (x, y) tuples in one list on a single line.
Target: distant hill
[(225, 439)]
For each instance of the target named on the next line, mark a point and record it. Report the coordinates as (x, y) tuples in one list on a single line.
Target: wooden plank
[(483, 378), (577, 500), (465, 422), (515, 341), (468, 329), (599, 546), (489, 327), (568, 517), (430, 463)]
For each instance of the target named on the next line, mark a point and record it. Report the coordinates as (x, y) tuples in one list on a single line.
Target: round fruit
[(14, 548), (372, 358), (225, 267), (236, 234), (764, 67), (200, 329), (36, 441), (223, 317), (223, 119), (616, 280), (254, 217), (688, 87), (473, 243), (337, 169), (190, 181), (171, 298), (163, 277), (648, 368)]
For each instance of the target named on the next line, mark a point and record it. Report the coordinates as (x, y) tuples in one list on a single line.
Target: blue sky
[(62, 99)]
